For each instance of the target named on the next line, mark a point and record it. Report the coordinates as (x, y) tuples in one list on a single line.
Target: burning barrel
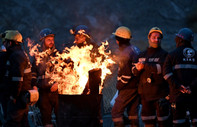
[(82, 110)]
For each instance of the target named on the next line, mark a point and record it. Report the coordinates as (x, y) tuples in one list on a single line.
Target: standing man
[(82, 36), (48, 92), (19, 80), (4, 97), (127, 83), (180, 70), (4, 65), (153, 89), (82, 39)]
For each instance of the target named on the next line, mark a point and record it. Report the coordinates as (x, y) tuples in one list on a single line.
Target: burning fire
[(70, 68)]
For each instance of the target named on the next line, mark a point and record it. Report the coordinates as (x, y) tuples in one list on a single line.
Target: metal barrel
[(79, 110)]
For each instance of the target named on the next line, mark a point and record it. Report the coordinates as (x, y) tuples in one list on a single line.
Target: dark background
[(102, 17)]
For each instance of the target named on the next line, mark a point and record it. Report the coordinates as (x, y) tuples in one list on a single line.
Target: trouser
[(127, 99), (180, 110), (17, 114), (156, 111), (48, 102)]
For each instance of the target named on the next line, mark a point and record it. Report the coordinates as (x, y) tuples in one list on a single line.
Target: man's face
[(79, 38), (49, 42), (155, 40)]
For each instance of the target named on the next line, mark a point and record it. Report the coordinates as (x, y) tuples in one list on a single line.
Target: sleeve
[(17, 67), (168, 73), (137, 53), (135, 72), (125, 70), (34, 73)]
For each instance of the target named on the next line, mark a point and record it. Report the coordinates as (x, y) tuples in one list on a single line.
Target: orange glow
[(70, 68)]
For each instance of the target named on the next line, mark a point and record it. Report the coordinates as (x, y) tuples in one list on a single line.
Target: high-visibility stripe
[(194, 120), (179, 121), (167, 75), (17, 78), (120, 79), (158, 68), (43, 77), (185, 66), (34, 73), (148, 117), (34, 77), (127, 77), (28, 70), (142, 59), (132, 117), (163, 118), (120, 119)]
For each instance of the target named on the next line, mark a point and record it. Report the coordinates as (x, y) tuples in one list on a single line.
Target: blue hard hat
[(186, 34), (46, 32), (82, 29)]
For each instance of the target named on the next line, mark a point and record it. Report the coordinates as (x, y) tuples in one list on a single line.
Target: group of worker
[(165, 84), (18, 75)]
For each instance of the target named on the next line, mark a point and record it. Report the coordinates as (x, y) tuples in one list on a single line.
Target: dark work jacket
[(180, 68), (127, 56), (39, 77), (3, 71), (19, 71), (153, 59)]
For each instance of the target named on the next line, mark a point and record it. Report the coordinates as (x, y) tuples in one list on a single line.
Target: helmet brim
[(53, 35)]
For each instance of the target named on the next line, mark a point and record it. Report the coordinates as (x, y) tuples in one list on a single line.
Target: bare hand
[(35, 88), (54, 87), (184, 89), (139, 66)]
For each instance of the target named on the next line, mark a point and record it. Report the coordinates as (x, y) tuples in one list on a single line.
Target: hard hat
[(123, 32), (13, 35), (155, 29), (46, 32), (2, 35), (82, 29), (186, 34)]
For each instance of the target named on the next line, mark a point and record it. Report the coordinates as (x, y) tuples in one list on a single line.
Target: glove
[(163, 104)]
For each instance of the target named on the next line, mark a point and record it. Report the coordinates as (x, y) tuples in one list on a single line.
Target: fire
[(70, 68)]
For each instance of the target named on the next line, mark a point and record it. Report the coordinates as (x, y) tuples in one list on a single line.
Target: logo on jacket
[(188, 53)]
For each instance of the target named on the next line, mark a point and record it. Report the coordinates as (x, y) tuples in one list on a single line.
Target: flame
[(70, 68), (34, 51)]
